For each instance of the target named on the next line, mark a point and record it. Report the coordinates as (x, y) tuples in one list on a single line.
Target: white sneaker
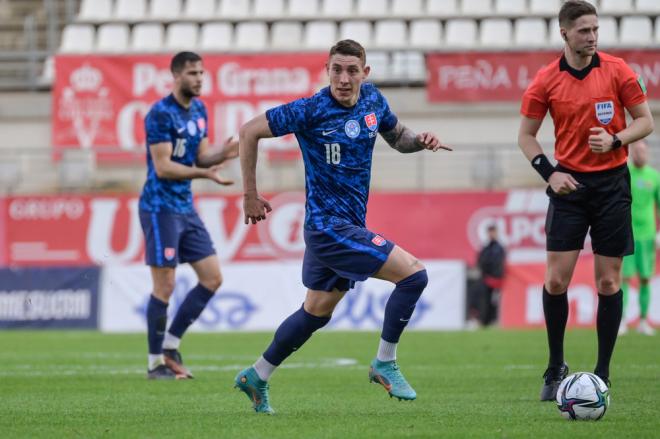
[(623, 328), (472, 325), (645, 328)]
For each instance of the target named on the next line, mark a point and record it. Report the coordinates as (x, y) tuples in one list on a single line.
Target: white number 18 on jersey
[(332, 153)]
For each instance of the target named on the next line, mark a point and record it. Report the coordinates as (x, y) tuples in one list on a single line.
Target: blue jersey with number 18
[(337, 143)]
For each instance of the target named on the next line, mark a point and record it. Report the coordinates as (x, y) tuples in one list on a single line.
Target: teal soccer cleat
[(255, 388), (388, 375)]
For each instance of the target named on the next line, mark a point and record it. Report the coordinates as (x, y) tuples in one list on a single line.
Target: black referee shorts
[(601, 203)]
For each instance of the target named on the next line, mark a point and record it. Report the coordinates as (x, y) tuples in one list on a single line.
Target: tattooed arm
[(404, 140)]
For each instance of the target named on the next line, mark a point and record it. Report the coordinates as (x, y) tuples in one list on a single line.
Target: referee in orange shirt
[(586, 92)]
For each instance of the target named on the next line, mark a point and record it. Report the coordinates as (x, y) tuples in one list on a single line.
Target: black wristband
[(616, 142), (543, 166)]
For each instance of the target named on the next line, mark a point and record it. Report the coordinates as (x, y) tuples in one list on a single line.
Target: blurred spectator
[(490, 262)]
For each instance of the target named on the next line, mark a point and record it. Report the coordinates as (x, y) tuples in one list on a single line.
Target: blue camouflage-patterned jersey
[(168, 121), (337, 144)]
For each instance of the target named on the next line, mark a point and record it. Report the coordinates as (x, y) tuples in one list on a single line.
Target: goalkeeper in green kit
[(645, 185)]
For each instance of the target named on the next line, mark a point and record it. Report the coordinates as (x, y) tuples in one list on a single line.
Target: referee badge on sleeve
[(605, 112), (640, 81)]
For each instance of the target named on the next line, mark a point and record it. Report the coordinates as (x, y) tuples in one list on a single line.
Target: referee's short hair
[(574, 9), (180, 59), (349, 48)]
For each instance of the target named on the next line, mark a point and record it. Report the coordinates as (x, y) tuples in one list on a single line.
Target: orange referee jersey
[(582, 99)]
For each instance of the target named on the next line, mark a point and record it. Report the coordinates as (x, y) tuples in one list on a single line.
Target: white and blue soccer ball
[(583, 396)]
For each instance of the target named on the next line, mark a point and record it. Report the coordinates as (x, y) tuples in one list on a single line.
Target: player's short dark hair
[(180, 59), (491, 227), (571, 10), (349, 48)]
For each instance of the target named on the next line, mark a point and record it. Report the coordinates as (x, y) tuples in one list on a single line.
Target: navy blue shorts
[(339, 256), (173, 238)]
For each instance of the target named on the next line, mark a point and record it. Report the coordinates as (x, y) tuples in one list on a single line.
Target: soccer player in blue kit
[(178, 151), (336, 129)]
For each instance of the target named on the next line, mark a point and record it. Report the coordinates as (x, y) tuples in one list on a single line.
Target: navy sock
[(156, 323), (293, 333), (190, 309), (608, 319), (401, 305), (555, 310)]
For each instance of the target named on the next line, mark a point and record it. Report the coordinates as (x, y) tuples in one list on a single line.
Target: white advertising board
[(259, 295)]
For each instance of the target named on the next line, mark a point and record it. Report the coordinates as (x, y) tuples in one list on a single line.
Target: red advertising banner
[(522, 301), (100, 102), (104, 230), (83, 230), (504, 76)]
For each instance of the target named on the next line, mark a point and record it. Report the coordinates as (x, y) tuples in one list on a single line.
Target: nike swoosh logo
[(180, 130), (325, 133), (404, 320)]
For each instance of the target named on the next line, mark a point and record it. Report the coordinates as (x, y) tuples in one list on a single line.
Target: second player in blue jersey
[(178, 150), (336, 129)]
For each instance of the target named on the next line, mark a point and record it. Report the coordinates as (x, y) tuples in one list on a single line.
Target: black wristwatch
[(616, 142)]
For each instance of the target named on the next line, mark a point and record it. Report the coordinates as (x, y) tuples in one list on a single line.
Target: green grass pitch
[(469, 384)]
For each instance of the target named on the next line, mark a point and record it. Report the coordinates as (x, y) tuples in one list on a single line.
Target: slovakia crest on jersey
[(169, 253), (605, 112), (371, 121)]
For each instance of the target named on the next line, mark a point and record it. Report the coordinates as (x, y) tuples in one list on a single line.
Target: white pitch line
[(27, 370)]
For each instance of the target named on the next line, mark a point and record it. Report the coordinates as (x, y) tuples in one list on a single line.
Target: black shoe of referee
[(552, 377)]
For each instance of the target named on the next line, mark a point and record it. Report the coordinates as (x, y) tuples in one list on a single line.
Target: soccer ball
[(583, 396)]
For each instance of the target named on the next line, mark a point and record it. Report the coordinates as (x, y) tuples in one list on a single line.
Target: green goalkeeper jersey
[(645, 185)]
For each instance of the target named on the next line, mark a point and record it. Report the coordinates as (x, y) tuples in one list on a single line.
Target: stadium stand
[(543, 7), (530, 32), (181, 36), (78, 38), (636, 31), (164, 9), (273, 9), (461, 32), (130, 10), (319, 35), (476, 7), (95, 10), (216, 37), (441, 8), (425, 34), (359, 30), (303, 8), (647, 6), (252, 35), (396, 33), (235, 9), (147, 37), (406, 8), (608, 33), (112, 37), (372, 8), (496, 32), (510, 7), (337, 8), (615, 6), (199, 9), (391, 34), (285, 35)]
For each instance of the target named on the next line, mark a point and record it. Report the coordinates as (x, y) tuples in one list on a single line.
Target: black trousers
[(489, 305)]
